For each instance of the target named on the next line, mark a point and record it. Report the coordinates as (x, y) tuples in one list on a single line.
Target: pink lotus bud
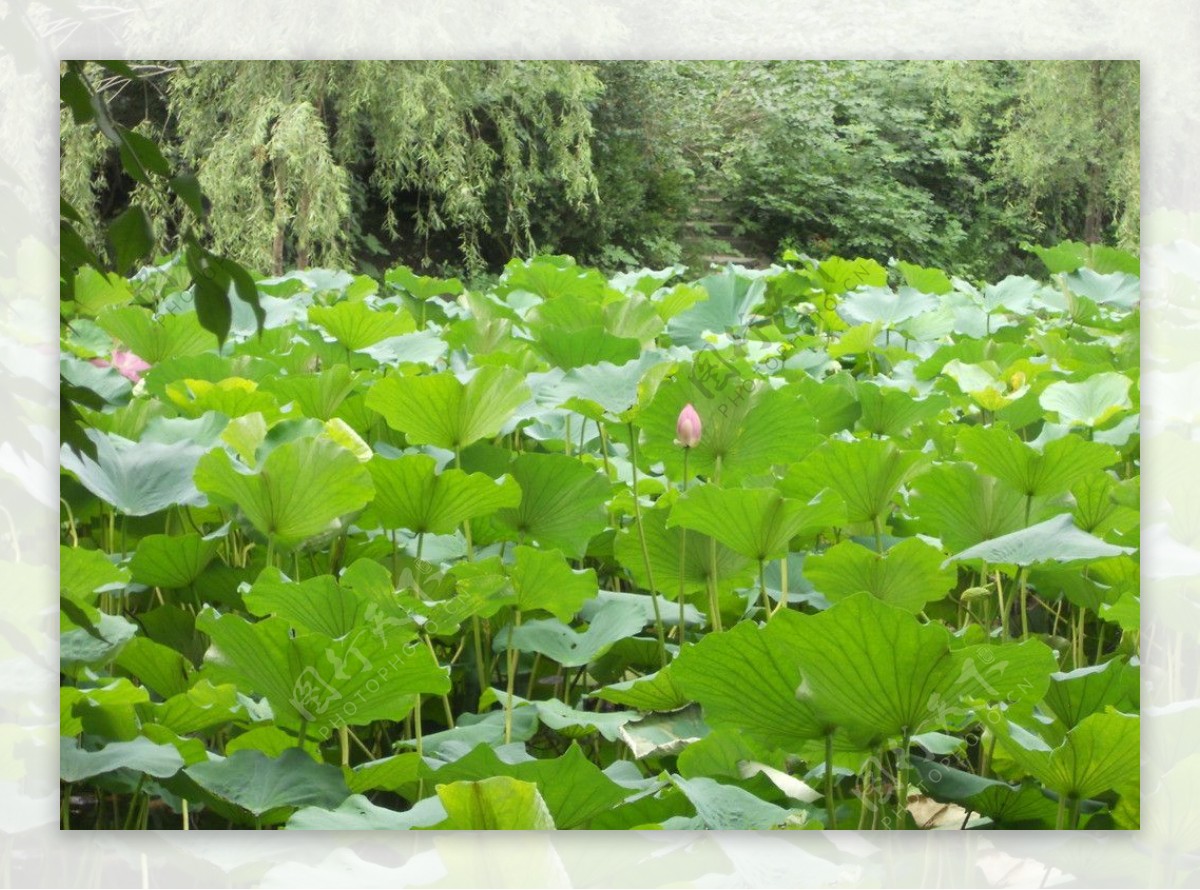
[(687, 428), (128, 364)]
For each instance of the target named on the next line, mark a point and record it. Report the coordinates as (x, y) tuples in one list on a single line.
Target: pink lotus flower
[(688, 427), (128, 365)]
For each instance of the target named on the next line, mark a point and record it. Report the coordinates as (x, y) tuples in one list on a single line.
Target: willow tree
[(292, 154), (1071, 147)]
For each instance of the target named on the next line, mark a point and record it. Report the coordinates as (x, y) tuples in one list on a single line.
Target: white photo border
[(36, 34)]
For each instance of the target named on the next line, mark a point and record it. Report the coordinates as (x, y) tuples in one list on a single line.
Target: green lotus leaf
[(863, 665), (357, 813), (1099, 509), (749, 428), (269, 740), (1126, 611), (731, 299), (867, 473), (636, 318), (357, 325), (199, 709), (233, 397), (1118, 289), (558, 641), (1055, 540), (665, 735), (1066, 256), (136, 478), (723, 807), (259, 784), (604, 388), (370, 674), (245, 435), (1077, 694), (1091, 402), (422, 348), (908, 575), (832, 403), (727, 754), (1101, 753), (297, 492), (877, 671), (654, 692), (157, 667), (1014, 293), (204, 431), (477, 729), (94, 644), (82, 573), (561, 502), (1035, 473), (747, 678), (663, 544), (172, 560), (955, 503), (314, 604), (836, 275), (1087, 590), (1003, 803), (423, 287), (108, 711), (88, 387), (155, 340), (552, 278), (341, 433), (315, 395), (884, 305), (984, 383), (394, 773), (671, 302), (438, 409), (410, 494), (192, 750), (543, 580), (643, 603), (931, 326), (929, 281), (497, 803), (892, 412), (586, 346), (646, 280), (562, 718), (573, 788), (95, 291), (140, 755), (857, 340), (758, 523)]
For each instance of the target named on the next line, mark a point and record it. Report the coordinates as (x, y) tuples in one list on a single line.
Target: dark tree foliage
[(458, 166)]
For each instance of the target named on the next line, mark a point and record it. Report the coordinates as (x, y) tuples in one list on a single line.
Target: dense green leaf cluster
[(412, 555)]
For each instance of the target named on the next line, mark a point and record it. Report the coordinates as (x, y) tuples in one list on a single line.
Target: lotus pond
[(829, 545)]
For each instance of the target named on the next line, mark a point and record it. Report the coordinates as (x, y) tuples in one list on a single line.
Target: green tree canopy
[(463, 164)]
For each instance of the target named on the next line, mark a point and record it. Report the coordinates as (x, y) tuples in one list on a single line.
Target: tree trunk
[(1093, 219), (280, 171), (280, 218), (302, 219)]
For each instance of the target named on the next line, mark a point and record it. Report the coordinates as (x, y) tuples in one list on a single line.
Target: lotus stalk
[(688, 429), (637, 513)]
